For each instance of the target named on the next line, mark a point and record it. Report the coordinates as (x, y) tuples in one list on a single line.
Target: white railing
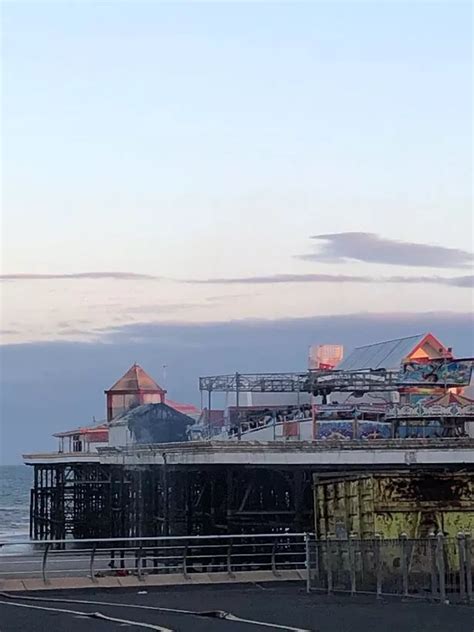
[(139, 557), (436, 567)]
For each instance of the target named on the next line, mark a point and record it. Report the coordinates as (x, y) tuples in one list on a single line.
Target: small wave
[(19, 507), (15, 527), (15, 534)]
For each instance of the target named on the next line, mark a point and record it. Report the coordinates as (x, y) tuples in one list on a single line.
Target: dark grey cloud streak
[(460, 281), (371, 248), (120, 276)]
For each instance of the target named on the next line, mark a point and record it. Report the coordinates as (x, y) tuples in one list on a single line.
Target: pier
[(212, 487)]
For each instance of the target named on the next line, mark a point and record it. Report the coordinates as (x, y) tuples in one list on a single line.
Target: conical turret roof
[(136, 380)]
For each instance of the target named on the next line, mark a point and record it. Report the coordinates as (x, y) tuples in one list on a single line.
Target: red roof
[(435, 343), (136, 380), (97, 431), (186, 409), (96, 435)]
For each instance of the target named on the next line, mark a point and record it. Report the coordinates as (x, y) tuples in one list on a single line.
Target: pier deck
[(323, 454)]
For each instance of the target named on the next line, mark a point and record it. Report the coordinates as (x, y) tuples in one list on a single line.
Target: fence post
[(91, 566), (274, 551), (378, 565), (122, 558), (43, 566), (140, 562), (433, 567), (468, 551), (462, 565), (329, 564), (185, 560), (229, 559), (352, 562), (404, 562), (307, 562), (441, 567)]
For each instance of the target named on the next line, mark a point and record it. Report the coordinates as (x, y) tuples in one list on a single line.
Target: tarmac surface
[(259, 607)]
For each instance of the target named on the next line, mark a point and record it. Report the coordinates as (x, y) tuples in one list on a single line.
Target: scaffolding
[(93, 500)]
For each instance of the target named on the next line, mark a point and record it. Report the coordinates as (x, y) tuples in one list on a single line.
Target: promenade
[(254, 608)]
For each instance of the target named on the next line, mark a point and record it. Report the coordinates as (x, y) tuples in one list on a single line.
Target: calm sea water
[(15, 485)]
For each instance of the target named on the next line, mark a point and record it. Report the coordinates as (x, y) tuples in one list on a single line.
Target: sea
[(15, 485)]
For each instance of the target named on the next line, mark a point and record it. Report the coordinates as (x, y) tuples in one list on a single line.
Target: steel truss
[(315, 382), (256, 383)]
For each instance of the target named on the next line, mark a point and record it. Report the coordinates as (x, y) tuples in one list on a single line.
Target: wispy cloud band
[(466, 281), (120, 276), (458, 281)]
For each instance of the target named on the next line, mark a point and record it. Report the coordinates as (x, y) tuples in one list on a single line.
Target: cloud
[(119, 276), (461, 281), (282, 278), (226, 297), (68, 332), (371, 248), (169, 308), (67, 324)]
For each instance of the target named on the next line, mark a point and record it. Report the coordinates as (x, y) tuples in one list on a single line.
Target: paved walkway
[(275, 606)]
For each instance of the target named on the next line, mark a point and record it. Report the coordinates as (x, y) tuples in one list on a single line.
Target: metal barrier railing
[(436, 567), (184, 555)]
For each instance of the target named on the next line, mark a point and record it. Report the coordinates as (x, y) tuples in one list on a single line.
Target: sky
[(232, 168)]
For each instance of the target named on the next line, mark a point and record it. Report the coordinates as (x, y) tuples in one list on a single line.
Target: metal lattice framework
[(256, 383), (362, 381), (324, 381), (310, 381)]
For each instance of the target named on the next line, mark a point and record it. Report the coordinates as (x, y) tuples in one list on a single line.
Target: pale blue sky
[(193, 140)]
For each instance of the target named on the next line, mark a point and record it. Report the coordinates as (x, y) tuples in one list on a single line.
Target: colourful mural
[(455, 373), (335, 430), (374, 430), (344, 430)]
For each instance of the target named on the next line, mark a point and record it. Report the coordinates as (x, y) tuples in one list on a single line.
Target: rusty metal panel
[(419, 491), (414, 504)]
